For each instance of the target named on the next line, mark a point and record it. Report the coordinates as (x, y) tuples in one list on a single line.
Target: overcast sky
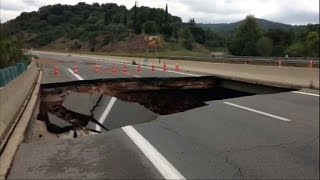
[(204, 11)]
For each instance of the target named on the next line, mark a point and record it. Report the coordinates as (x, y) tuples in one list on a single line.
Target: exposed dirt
[(134, 44), (163, 102)]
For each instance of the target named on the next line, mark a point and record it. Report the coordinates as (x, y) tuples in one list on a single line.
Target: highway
[(272, 136)]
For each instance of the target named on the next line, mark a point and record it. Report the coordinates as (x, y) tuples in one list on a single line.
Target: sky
[(295, 12)]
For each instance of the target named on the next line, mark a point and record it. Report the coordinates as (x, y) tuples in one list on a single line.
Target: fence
[(10, 73)]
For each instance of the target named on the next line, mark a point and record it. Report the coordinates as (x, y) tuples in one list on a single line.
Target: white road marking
[(304, 93), (105, 113), (76, 75), (167, 170), (136, 75), (256, 111)]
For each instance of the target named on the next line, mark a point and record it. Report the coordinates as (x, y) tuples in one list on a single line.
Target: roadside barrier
[(10, 73)]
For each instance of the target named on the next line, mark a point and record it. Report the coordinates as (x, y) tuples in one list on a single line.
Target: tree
[(264, 46), (244, 41), (312, 44), (150, 27), (125, 18), (296, 50), (187, 38), (166, 16)]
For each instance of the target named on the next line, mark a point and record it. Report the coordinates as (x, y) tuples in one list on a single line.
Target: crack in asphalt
[(228, 153), (234, 165), (92, 119)]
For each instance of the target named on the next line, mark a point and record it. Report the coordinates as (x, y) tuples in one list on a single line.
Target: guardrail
[(273, 61), (10, 73)]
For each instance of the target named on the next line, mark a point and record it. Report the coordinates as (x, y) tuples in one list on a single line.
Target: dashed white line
[(76, 75), (167, 170), (136, 75), (106, 113), (304, 93), (256, 111)]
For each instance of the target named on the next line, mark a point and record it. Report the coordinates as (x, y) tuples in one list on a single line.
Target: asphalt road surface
[(274, 136)]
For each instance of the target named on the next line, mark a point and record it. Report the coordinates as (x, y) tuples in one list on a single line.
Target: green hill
[(264, 24)]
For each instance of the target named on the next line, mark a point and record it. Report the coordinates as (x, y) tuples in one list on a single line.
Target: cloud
[(205, 11)]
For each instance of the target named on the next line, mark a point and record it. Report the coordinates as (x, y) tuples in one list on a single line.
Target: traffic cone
[(114, 70), (75, 69), (177, 67), (124, 69), (96, 69), (139, 68), (279, 63), (56, 71), (152, 67), (164, 66), (311, 64)]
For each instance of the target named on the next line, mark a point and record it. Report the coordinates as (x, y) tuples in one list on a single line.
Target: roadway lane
[(272, 136), (86, 68), (221, 141)]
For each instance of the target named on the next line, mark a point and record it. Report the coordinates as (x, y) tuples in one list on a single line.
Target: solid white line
[(167, 170), (136, 75), (256, 111), (105, 113), (76, 75), (304, 93)]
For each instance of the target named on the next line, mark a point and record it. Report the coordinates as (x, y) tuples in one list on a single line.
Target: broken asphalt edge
[(18, 133)]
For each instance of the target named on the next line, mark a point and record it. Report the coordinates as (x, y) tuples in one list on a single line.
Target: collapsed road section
[(95, 106)]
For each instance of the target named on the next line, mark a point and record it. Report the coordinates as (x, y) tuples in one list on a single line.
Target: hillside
[(264, 24)]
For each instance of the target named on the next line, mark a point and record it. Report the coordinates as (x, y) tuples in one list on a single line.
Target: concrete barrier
[(12, 97)]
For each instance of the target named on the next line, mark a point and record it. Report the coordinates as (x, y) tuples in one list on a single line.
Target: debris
[(57, 125), (81, 103)]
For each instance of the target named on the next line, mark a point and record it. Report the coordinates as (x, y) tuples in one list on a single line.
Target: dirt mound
[(134, 44)]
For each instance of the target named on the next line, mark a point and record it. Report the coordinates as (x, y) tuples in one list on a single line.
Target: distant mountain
[(264, 24)]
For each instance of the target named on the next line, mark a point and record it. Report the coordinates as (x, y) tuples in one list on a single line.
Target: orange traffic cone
[(124, 69), (56, 71), (76, 69), (139, 68), (177, 67), (152, 67), (164, 66), (96, 69), (114, 70)]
